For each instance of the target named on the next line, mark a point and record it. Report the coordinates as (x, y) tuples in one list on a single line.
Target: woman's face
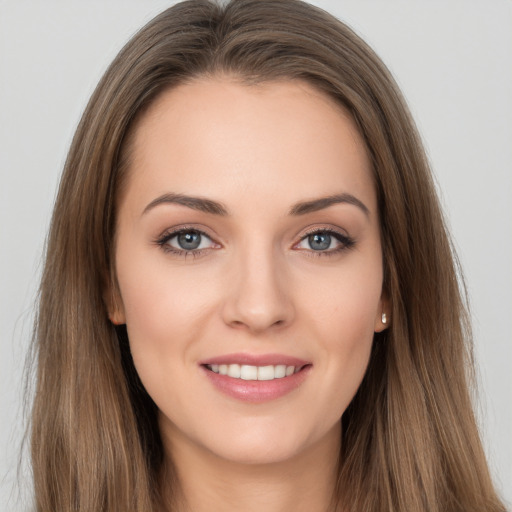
[(248, 243)]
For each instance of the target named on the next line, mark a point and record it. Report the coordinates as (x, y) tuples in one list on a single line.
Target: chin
[(256, 454), (268, 444)]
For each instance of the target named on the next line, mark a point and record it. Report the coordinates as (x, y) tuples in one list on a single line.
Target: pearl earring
[(384, 318)]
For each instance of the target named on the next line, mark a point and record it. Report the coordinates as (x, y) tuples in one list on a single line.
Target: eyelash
[(345, 241)]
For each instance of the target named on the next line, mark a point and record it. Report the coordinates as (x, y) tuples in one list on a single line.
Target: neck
[(305, 482)]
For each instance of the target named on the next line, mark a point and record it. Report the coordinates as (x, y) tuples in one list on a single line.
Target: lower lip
[(256, 391)]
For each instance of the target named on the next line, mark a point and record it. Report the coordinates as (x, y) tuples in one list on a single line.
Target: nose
[(259, 296)]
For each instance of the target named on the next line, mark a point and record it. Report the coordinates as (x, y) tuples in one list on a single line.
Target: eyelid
[(324, 229), (176, 230)]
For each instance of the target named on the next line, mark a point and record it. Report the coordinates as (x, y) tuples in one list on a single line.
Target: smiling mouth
[(254, 373)]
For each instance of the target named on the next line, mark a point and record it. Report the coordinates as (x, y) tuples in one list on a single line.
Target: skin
[(258, 286)]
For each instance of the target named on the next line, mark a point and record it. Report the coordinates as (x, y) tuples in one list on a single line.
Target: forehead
[(253, 145)]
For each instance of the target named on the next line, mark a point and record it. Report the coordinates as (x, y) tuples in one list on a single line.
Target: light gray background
[(453, 60)]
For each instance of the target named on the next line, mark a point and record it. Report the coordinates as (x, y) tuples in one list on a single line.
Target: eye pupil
[(319, 241), (189, 240)]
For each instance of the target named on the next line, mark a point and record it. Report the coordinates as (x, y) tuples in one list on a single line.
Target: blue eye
[(325, 242), (319, 241), (194, 242), (188, 240), (185, 241)]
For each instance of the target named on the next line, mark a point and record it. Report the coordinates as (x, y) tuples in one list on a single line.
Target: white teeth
[(248, 372), (280, 371), (234, 371), (266, 373)]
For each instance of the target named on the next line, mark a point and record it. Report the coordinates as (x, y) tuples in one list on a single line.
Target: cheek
[(347, 302), (154, 292), (165, 312), (343, 321), (161, 306)]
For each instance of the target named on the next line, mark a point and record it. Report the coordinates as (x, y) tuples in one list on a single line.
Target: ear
[(114, 304), (383, 316)]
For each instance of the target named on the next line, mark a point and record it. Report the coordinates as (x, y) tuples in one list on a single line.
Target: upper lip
[(256, 360)]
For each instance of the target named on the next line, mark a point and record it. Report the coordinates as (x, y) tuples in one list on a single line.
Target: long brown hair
[(410, 442)]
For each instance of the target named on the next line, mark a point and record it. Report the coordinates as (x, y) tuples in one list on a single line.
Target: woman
[(249, 292)]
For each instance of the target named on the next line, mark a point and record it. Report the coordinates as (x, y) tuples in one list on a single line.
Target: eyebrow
[(216, 208)]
